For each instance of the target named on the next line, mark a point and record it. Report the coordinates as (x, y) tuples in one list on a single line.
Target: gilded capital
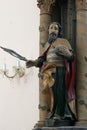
[(81, 4), (45, 5)]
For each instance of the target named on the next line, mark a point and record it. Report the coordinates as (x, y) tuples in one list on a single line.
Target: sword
[(13, 53)]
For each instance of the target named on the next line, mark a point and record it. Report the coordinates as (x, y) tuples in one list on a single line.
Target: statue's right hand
[(30, 63)]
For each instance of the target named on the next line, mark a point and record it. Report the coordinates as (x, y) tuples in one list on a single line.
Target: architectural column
[(45, 19), (81, 50)]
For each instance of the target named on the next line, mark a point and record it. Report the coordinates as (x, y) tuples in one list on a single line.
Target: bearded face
[(53, 32)]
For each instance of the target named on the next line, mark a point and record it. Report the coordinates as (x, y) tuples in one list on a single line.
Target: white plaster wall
[(19, 23)]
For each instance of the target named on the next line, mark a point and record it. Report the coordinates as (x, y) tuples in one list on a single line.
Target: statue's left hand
[(62, 50)]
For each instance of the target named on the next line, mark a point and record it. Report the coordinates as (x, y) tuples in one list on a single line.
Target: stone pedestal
[(62, 128)]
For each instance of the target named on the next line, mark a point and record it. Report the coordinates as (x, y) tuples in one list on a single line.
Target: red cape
[(70, 72)]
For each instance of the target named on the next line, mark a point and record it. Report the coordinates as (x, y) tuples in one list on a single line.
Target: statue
[(57, 70)]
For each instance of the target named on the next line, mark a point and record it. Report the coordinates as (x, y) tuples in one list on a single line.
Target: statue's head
[(55, 31), (56, 28)]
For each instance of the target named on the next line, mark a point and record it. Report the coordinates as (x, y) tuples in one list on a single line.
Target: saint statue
[(57, 70)]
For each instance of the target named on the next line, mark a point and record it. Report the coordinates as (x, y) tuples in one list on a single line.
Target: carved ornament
[(45, 5), (42, 28), (44, 108)]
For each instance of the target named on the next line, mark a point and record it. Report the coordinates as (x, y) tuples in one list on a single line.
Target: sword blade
[(14, 53)]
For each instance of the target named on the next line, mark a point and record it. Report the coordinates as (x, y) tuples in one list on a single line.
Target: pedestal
[(62, 128)]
